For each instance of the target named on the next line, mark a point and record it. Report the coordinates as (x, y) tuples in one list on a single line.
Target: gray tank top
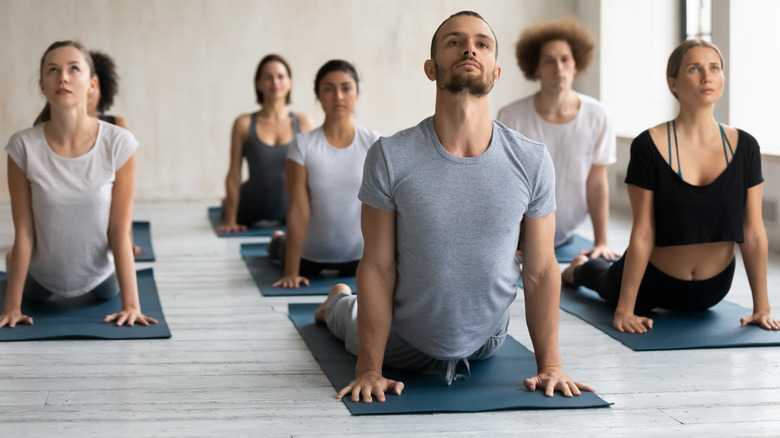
[(265, 186)]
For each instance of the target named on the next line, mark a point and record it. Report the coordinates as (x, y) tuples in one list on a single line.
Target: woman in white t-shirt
[(71, 183), (323, 174)]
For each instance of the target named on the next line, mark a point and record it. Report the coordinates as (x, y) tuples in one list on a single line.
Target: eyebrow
[(68, 63), (461, 34)]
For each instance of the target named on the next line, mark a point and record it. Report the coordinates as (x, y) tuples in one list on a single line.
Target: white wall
[(187, 67)]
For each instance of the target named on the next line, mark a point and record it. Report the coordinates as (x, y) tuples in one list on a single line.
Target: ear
[(430, 69), (671, 82), (93, 84), (496, 74)]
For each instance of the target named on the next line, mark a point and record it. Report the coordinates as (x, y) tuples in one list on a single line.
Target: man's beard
[(475, 85)]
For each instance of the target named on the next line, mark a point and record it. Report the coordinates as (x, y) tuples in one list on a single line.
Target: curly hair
[(105, 70), (528, 49)]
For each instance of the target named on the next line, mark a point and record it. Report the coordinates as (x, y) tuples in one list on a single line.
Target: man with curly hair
[(575, 127)]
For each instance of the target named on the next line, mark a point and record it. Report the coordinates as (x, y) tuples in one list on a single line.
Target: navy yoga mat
[(142, 237), (82, 318), (495, 383), (717, 327), (261, 228), (266, 272)]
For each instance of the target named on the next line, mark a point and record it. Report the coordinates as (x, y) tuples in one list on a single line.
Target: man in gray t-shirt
[(442, 206)]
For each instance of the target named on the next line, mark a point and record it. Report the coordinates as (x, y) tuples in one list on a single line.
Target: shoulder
[(514, 139), (592, 107), (309, 137), (409, 137), (306, 123), (517, 108), (745, 139), (242, 122), (27, 135), (114, 135)]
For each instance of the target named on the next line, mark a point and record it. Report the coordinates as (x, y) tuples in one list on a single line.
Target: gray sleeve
[(16, 151), (542, 200), (295, 153), (376, 188)]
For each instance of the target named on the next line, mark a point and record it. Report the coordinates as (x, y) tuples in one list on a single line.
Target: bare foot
[(277, 233), (341, 288), (567, 276), (137, 250)]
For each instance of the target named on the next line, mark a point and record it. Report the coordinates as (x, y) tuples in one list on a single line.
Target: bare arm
[(296, 180), (121, 122), (233, 178), (597, 194), (119, 238), (542, 286), (376, 286), (24, 237), (640, 247), (754, 251)]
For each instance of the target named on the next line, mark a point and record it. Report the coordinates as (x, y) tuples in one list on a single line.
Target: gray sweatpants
[(341, 319)]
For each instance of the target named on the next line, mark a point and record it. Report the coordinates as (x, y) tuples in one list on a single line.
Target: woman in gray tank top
[(263, 138)]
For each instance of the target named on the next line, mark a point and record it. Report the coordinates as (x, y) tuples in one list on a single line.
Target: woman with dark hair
[(695, 187), (264, 138), (81, 246), (323, 174)]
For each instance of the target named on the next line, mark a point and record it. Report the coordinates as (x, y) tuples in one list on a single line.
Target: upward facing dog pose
[(442, 205), (71, 182), (575, 128), (695, 189), (264, 138)]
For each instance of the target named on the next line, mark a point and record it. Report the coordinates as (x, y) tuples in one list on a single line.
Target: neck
[(69, 123), (276, 109), (462, 123), (549, 101), (694, 119), (338, 127)]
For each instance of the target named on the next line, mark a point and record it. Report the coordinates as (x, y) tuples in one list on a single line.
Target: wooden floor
[(235, 366)]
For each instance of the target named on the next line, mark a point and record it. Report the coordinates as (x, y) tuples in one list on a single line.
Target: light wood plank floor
[(236, 366)]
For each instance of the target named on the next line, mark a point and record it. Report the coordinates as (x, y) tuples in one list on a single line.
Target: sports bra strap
[(725, 141), (676, 147)]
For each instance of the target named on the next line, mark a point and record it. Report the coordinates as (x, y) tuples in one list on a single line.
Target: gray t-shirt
[(334, 174), (457, 227), (71, 202)]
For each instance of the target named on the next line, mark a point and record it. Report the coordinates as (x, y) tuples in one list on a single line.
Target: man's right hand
[(292, 282), (628, 322), (369, 384)]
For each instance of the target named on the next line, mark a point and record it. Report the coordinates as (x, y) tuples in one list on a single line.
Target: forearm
[(124, 263), (542, 296), (637, 258), (598, 206), (297, 222), (755, 256), (17, 272), (375, 314), (232, 191)]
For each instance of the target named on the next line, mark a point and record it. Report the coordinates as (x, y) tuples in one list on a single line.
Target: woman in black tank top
[(263, 137), (687, 181)]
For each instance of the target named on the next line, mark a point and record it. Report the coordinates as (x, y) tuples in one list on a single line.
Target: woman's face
[(65, 77), (337, 94), (275, 82), (700, 78)]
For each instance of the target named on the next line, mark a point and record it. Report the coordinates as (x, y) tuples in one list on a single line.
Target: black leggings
[(657, 290), (310, 268)]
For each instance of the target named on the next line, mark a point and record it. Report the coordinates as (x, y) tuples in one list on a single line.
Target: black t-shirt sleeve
[(753, 175), (641, 170)]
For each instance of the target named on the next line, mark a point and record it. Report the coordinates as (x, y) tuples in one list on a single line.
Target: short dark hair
[(259, 72), (335, 65), (460, 14), (108, 79), (528, 49)]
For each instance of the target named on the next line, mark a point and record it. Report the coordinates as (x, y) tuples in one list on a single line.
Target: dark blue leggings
[(657, 290)]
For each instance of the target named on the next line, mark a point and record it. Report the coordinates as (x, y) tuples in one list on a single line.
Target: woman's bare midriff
[(693, 262)]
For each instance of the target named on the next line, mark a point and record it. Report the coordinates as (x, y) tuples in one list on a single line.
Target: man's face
[(557, 67), (465, 56)]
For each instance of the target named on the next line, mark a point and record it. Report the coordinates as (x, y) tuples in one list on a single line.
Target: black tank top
[(686, 214), (265, 186)]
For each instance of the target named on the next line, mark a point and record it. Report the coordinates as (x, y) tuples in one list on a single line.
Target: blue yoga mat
[(717, 327), (495, 383), (259, 229), (142, 237), (82, 318), (266, 272)]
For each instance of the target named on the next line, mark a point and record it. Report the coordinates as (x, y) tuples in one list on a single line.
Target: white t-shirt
[(333, 234), (71, 203), (575, 146)]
